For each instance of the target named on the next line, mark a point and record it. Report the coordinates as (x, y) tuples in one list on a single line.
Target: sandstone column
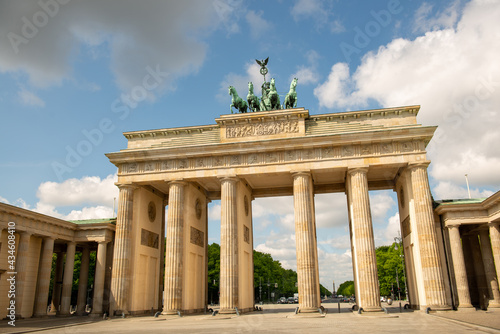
[(45, 268), (495, 245), (121, 275), (174, 249), (100, 270), (364, 245), (459, 267), (22, 263), (68, 279), (228, 247), (83, 282), (427, 238), (489, 270), (305, 243), (56, 288)]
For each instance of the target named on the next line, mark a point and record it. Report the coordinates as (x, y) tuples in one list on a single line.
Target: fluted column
[(305, 243), (495, 245), (43, 283), (121, 275), (22, 262), (57, 285), (83, 282), (100, 270), (459, 267), (364, 243), (427, 238), (174, 249), (228, 247), (67, 285), (489, 269)]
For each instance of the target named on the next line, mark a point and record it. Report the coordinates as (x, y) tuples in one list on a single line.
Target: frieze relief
[(262, 129), (324, 153)]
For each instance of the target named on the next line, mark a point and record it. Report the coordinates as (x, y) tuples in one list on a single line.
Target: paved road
[(273, 319)]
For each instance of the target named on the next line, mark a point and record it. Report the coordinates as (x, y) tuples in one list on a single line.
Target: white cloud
[(28, 98), (308, 74), (258, 25), (393, 229), (91, 213), (89, 189), (448, 190), (331, 210), (167, 34), (4, 200), (319, 11), (380, 204), (240, 82), (447, 18), (453, 74)]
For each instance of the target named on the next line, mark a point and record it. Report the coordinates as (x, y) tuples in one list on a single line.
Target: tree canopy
[(390, 262)]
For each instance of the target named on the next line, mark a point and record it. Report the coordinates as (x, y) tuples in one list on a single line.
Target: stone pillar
[(305, 243), (459, 267), (83, 282), (161, 280), (43, 283), (57, 285), (433, 280), (495, 245), (489, 270), (100, 270), (228, 247), (364, 245), (121, 275), (67, 285), (22, 264), (174, 249)]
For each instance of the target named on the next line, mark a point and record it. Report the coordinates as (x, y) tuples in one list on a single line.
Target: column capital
[(27, 233), (360, 169), (301, 173), (130, 186), (451, 226), (494, 223), (418, 164), (229, 178), (102, 241), (179, 182)]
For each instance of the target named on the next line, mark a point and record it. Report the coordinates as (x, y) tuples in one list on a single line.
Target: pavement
[(274, 319)]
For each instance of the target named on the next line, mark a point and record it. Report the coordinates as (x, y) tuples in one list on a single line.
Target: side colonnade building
[(451, 248), (35, 238)]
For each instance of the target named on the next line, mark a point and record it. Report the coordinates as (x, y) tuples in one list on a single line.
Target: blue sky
[(72, 79)]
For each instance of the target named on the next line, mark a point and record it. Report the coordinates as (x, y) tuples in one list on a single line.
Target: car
[(382, 299), (282, 300), (291, 300)]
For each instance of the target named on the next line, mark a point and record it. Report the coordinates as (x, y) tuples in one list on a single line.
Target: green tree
[(390, 262), (346, 289), (266, 271)]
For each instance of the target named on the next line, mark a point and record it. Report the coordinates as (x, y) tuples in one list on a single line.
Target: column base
[(466, 307), (309, 309), (438, 307), (227, 311), (170, 312), (372, 309), (493, 304)]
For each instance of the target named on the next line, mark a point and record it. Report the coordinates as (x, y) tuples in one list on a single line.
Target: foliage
[(267, 273), (390, 261), (346, 289)]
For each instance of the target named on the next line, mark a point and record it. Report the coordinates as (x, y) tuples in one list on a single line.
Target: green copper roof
[(95, 221), (461, 201)]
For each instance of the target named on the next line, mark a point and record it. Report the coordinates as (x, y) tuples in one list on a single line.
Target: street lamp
[(399, 240)]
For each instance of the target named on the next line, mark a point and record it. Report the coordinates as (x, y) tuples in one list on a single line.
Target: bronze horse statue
[(291, 97), (253, 101), (237, 101), (274, 98)]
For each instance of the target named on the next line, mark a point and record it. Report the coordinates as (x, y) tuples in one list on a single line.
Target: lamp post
[(399, 240)]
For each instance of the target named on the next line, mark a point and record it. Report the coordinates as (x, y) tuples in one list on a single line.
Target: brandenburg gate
[(260, 154)]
